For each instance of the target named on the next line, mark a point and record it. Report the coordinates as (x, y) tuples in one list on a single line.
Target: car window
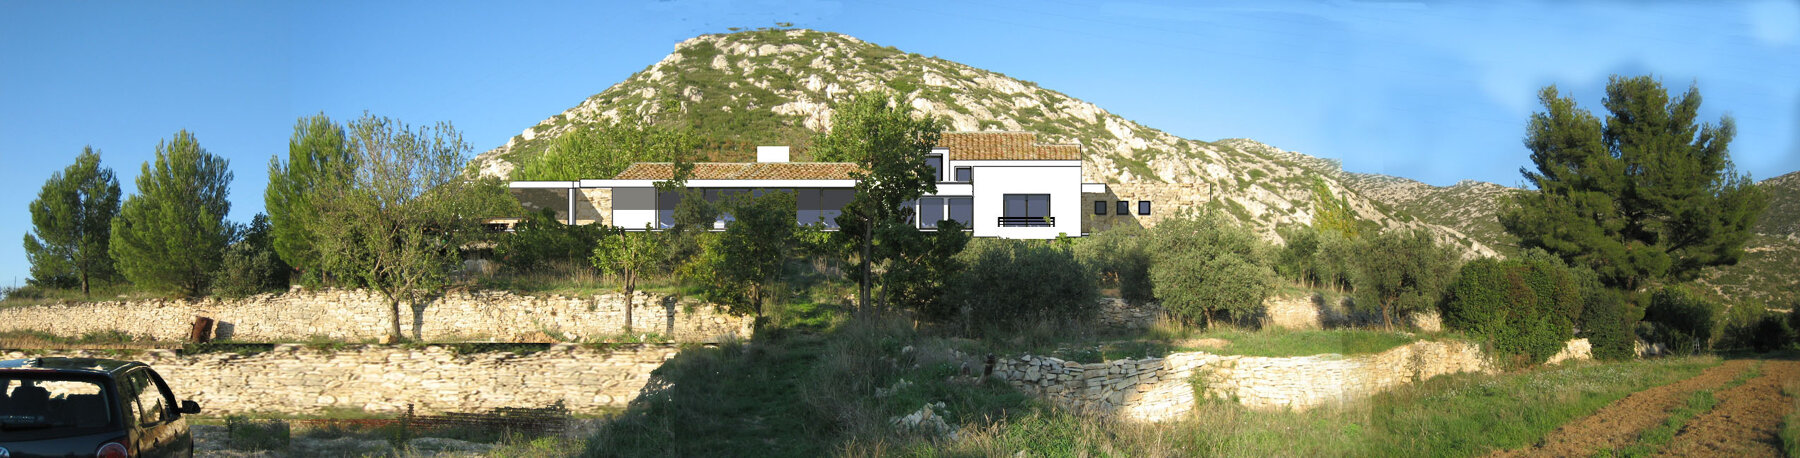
[(47, 406), (151, 407)]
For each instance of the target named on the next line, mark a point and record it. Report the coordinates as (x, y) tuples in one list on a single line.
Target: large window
[(1026, 210), (962, 210), (665, 208), (931, 210), (937, 167)]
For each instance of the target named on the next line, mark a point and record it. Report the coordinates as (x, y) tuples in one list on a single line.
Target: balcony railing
[(1027, 221)]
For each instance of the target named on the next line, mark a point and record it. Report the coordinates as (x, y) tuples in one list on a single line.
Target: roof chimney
[(771, 154)]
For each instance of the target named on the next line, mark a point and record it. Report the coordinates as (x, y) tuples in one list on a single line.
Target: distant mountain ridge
[(776, 87)]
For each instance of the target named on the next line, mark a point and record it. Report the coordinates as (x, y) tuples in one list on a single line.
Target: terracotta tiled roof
[(743, 171), (990, 146)]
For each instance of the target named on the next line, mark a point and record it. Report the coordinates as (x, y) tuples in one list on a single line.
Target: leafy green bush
[(1605, 324), (1204, 265), (1522, 306), (1121, 258), (250, 264), (541, 241), (1009, 283), (1397, 273), (1681, 319)]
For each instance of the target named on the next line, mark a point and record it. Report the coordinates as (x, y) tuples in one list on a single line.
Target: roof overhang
[(541, 184), (723, 183)]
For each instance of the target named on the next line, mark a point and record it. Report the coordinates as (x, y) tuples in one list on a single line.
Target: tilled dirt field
[(1743, 423), (1619, 423), (1746, 420)]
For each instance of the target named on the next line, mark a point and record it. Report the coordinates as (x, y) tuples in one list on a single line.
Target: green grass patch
[(1790, 424), (1276, 342), (1458, 415)]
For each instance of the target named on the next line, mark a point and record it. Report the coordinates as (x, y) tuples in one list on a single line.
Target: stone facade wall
[(591, 205), (362, 315), (295, 380), (1156, 389), (1116, 313)]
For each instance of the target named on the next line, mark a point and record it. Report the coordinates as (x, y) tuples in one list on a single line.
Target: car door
[(176, 439), (152, 412)]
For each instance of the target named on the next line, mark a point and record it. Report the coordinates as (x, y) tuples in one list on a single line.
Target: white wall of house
[(993, 180)]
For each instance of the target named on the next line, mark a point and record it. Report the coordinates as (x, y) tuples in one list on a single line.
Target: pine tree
[(170, 236), (1646, 195), (72, 222), (318, 159)]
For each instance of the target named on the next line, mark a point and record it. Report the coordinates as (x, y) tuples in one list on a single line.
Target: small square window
[(1099, 207), (1143, 207), (1124, 207), (965, 174)]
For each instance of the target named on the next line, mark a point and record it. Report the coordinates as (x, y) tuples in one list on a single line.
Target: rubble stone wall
[(292, 379), (360, 315), (1156, 389)]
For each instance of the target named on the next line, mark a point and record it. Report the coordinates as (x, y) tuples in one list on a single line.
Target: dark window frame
[(1143, 207), (962, 174), (1122, 208), (1100, 207)]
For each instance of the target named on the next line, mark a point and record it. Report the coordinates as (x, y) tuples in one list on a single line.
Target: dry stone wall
[(1157, 389), (292, 379), (359, 315)]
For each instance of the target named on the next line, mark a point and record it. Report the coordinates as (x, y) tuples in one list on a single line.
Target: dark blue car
[(89, 407)]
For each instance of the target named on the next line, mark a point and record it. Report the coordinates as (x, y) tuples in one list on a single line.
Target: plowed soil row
[(1746, 421), (1619, 424)]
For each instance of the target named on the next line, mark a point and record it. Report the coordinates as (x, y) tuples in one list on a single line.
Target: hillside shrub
[(1204, 266), (1317, 258), (1121, 258), (541, 241), (1010, 283), (1606, 325), (1681, 319), (1525, 307), (1398, 273), (250, 264)]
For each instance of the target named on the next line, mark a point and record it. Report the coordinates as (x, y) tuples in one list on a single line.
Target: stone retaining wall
[(359, 315), (1156, 389), (292, 379)]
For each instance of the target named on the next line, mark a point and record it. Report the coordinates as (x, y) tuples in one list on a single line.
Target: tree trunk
[(393, 313), (862, 299), (84, 283), (630, 287)]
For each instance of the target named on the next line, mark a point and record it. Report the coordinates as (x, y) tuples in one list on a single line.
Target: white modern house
[(997, 184)]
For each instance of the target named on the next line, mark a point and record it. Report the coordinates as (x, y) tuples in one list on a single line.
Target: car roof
[(110, 367)]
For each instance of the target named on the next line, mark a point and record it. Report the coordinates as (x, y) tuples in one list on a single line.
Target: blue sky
[(1435, 91)]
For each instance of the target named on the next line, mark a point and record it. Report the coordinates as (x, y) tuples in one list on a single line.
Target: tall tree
[(170, 236), (72, 223), (398, 224), (629, 255), (1644, 196), (319, 160), (889, 142)]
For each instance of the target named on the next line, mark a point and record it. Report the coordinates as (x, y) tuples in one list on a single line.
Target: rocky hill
[(776, 87)]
